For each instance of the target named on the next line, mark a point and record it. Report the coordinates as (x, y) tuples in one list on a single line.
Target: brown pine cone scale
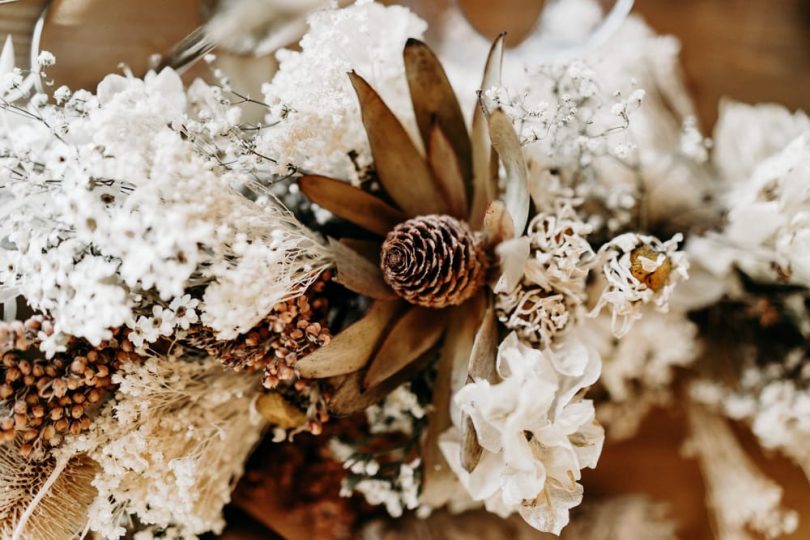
[(433, 261)]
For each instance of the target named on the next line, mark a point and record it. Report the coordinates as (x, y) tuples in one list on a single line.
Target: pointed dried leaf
[(446, 170), (367, 248), (415, 333), (516, 194), (349, 396), (280, 412), (351, 203), (352, 348), (485, 349), (435, 102), (470, 447), (402, 170), (358, 274), (485, 165), (452, 374)]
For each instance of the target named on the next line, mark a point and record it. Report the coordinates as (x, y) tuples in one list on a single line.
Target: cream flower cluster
[(536, 431)]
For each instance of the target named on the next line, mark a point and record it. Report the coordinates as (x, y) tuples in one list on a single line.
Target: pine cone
[(433, 261)]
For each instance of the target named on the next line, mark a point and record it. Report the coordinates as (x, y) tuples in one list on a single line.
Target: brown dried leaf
[(485, 164), (470, 447), (415, 333), (280, 412), (358, 274), (367, 248), (439, 479), (352, 348), (485, 349), (402, 170), (351, 203), (350, 397), (434, 102), (516, 194), (449, 178)]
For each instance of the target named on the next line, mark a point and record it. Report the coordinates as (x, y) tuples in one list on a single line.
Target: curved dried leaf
[(415, 333), (435, 102), (402, 170), (280, 412), (349, 396), (449, 178), (439, 479), (351, 203), (352, 348), (485, 164), (485, 349), (516, 194), (367, 248), (470, 447), (358, 274)]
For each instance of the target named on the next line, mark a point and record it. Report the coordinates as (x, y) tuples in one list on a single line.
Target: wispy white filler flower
[(536, 431)]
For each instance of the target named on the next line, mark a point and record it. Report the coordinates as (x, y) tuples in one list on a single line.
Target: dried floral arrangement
[(410, 298)]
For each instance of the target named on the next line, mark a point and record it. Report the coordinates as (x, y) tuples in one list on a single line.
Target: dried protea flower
[(42, 400), (437, 220), (290, 331)]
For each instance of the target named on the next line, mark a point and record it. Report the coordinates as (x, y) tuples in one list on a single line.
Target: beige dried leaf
[(351, 349), (498, 225), (358, 274), (485, 349), (402, 170), (446, 169), (412, 335), (516, 193), (439, 480), (470, 447), (434, 102), (280, 412), (351, 203), (485, 164)]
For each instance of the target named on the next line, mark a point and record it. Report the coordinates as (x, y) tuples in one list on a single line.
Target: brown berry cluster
[(291, 330), (42, 400)]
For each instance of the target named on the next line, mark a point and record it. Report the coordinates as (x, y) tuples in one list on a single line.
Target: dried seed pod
[(433, 261)]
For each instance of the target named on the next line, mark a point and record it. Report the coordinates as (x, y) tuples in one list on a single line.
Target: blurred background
[(748, 50)]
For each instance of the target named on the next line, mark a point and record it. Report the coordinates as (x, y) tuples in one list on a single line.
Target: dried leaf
[(402, 170), (434, 102), (352, 348), (516, 194), (485, 164), (439, 480), (351, 203), (415, 333), (470, 447), (280, 412), (350, 397), (513, 255), (367, 248), (449, 178), (358, 274), (485, 349), (498, 224)]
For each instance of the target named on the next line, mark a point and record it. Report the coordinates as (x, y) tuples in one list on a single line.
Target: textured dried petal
[(471, 449), (485, 164), (433, 261), (434, 102), (516, 194), (402, 170), (445, 166), (351, 203), (439, 480), (415, 333), (352, 348), (485, 349), (358, 274)]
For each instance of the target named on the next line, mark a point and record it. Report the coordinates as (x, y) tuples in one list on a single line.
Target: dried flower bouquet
[(395, 303)]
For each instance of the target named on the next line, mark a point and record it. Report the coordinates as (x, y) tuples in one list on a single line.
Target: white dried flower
[(536, 431)]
